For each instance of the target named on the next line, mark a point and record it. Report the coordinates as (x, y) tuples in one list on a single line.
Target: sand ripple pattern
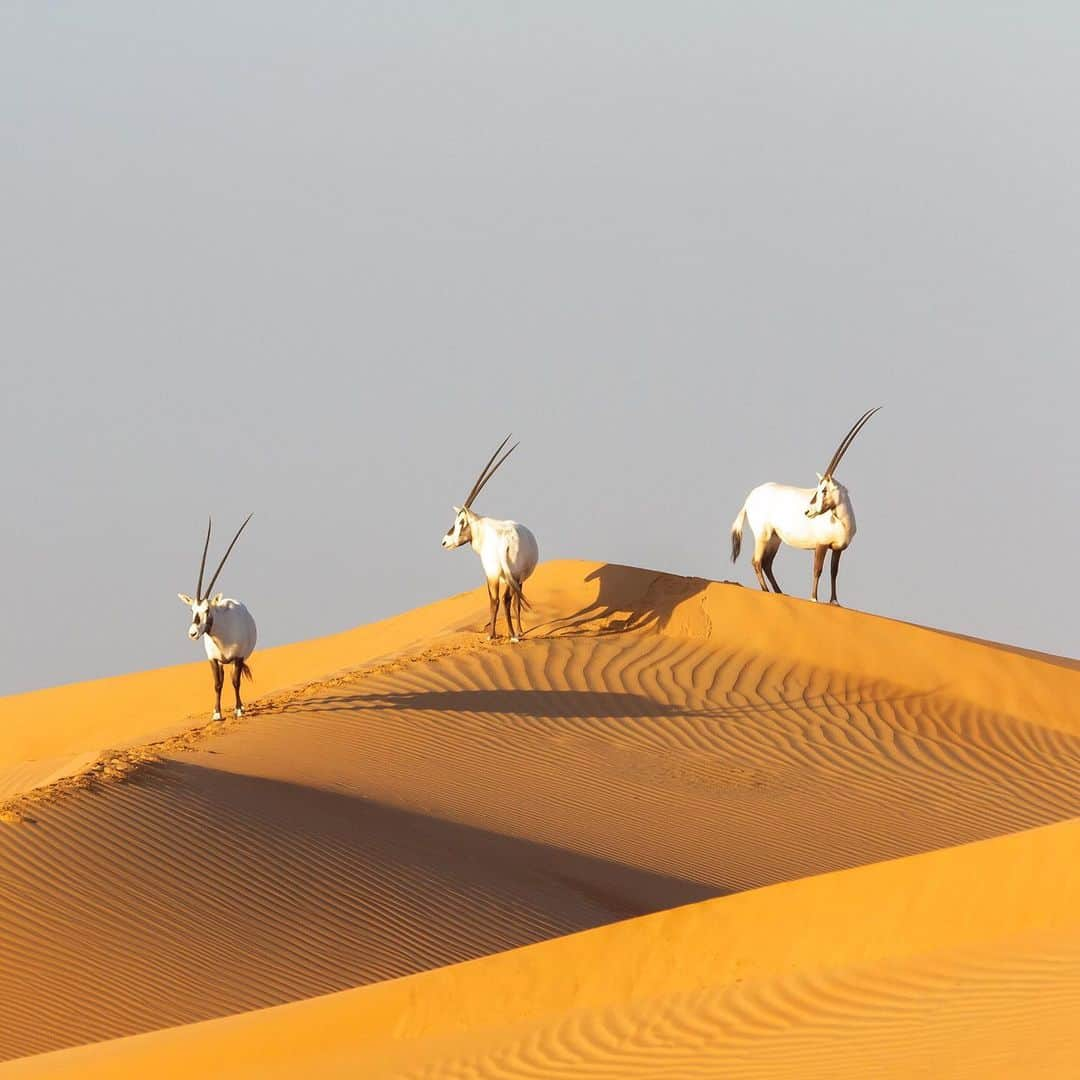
[(731, 769), (968, 1013), (466, 803), (194, 893)]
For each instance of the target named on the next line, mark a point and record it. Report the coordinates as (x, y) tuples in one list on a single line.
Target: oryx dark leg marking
[(238, 670), (760, 543), (766, 563), (493, 597), (219, 682), (517, 604), (834, 566), (819, 564), (508, 599)]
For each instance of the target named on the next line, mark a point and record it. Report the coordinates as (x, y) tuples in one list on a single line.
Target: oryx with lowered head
[(508, 551), (226, 627), (820, 519)]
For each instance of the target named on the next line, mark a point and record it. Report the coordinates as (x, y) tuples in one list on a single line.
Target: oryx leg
[(761, 544), (493, 596), (819, 565), (238, 670), (834, 566), (517, 607), (771, 549), (219, 682), (508, 598)]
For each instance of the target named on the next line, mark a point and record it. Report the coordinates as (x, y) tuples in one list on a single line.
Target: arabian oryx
[(507, 550), (226, 627), (820, 518)]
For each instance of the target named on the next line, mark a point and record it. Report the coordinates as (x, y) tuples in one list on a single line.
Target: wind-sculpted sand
[(408, 796), (937, 965)]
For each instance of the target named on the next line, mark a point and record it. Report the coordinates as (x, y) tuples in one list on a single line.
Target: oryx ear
[(457, 510), (819, 477), (185, 599), (217, 599)]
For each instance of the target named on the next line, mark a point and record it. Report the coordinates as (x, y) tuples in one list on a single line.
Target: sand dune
[(960, 963), (407, 796)]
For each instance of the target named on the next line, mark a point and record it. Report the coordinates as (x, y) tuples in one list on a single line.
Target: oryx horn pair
[(488, 471), (847, 440), (199, 594)]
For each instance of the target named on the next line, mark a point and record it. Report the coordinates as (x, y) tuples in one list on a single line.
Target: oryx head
[(202, 604), (461, 531), (826, 495)]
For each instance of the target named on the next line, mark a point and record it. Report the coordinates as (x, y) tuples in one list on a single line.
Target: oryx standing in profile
[(820, 518), (226, 627), (508, 551)]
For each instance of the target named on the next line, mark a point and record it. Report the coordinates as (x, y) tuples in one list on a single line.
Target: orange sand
[(963, 962), (407, 796)]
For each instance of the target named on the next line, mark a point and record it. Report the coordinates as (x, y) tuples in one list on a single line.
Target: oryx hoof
[(515, 639), (216, 716), (835, 603), (813, 599), (239, 712)]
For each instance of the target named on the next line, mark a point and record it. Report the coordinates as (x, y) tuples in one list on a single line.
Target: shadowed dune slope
[(655, 741), (193, 893), (959, 963)]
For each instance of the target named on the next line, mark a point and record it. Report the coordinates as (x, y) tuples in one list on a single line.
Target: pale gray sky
[(315, 260)]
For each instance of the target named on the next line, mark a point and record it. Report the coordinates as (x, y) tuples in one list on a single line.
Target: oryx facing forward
[(508, 551), (820, 518), (226, 627)]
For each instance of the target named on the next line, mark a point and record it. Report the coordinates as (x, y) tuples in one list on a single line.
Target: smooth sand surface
[(408, 796)]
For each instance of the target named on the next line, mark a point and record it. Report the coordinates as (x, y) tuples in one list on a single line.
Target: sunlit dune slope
[(961, 963), (655, 740), (49, 734)]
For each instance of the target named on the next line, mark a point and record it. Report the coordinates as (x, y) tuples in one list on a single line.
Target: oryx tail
[(736, 533), (512, 582)]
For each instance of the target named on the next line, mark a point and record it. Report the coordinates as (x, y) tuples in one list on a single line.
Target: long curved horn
[(480, 480), (210, 587), (202, 565), (489, 471), (847, 440)]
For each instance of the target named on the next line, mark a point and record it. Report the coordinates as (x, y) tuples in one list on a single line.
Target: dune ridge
[(407, 796), (47, 735)]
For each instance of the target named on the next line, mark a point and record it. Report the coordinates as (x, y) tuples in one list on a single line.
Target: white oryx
[(820, 518), (226, 627), (508, 551)]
